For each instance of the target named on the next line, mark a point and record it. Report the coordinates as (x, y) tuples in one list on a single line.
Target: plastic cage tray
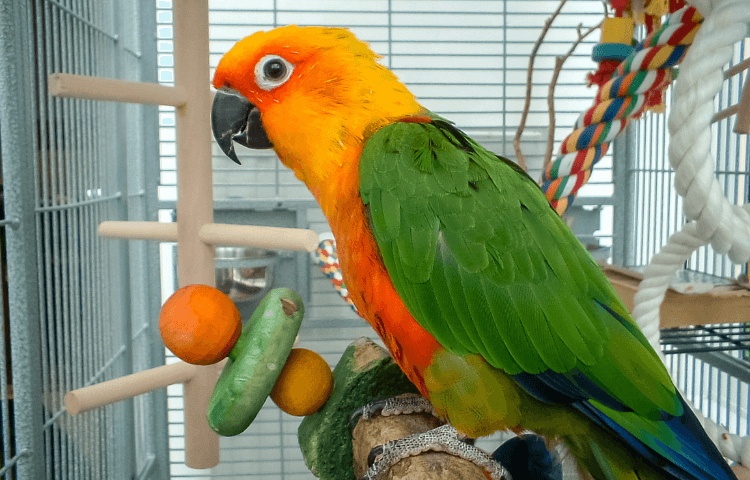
[(706, 338)]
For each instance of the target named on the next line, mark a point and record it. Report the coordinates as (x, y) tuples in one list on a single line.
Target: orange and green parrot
[(483, 295)]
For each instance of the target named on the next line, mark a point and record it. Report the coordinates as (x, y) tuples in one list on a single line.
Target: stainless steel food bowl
[(244, 273)]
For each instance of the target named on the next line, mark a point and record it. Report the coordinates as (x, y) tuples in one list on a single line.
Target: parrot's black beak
[(234, 118)]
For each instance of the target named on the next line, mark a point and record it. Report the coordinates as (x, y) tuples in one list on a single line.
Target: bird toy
[(202, 326), (328, 261), (637, 84)]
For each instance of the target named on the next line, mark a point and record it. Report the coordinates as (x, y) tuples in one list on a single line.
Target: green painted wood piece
[(254, 363), (366, 372)]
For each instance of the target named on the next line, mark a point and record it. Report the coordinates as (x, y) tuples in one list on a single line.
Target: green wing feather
[(486, 266)]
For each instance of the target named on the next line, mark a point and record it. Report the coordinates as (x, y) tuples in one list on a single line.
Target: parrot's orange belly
[(375, 297)]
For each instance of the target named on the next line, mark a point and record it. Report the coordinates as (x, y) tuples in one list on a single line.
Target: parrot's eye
[(272, 71)]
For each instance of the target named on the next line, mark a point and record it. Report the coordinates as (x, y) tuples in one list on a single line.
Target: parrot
[(482, 294)]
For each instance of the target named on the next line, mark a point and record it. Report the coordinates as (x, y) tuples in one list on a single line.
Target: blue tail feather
[(692, 456)]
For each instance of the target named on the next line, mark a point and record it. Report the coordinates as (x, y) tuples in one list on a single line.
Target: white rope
[(713, 218)]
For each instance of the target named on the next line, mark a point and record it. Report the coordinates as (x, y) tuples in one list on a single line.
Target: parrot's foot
[(404, 404), (444, 439)]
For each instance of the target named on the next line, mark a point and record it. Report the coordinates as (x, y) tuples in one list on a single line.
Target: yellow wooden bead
[(618, 30), (304, 384)]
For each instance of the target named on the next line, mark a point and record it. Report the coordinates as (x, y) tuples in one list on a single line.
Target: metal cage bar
[(66, 283), (196, 234), (17, 144)]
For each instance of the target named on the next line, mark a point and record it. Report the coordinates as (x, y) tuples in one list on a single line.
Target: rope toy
[(637, 83), (617, 33), (616, 44), (713, 219), (328, 261)]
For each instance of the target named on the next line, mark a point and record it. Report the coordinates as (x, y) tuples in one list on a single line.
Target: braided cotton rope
[(637, 80), (328, 261), (713, 219)]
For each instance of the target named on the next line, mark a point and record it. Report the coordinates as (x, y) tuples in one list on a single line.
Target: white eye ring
[(272, 71)]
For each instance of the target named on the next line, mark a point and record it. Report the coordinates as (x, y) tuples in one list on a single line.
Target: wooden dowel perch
[(94, 88), (105, 393), (743, 115), (740, 67), (742, 109), (727, 112), (165, 232), (742, 472), (273, 238)]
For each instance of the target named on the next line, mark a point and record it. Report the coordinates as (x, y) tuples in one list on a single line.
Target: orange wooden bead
[(200, 324)]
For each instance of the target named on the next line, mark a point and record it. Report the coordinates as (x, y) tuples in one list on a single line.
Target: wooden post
[(195, 259)]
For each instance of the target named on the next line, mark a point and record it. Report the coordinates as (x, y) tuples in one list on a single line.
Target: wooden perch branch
[(527, 103), (550, 99), (559, 61), (367, 372), (425, 466)]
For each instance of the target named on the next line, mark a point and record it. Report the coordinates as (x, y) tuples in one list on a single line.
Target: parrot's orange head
[(314, 94)]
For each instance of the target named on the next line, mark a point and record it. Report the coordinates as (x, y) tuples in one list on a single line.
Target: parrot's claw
[(404, 404), (441, 439)]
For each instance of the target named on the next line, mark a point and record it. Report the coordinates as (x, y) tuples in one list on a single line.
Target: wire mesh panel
[(724, 337), (656, 206), (20, 340), (72, 259), (7, 434), (732, 157), (95, 308), (716, 384)]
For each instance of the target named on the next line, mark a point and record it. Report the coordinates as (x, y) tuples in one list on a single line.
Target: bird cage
[(94, 149)]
